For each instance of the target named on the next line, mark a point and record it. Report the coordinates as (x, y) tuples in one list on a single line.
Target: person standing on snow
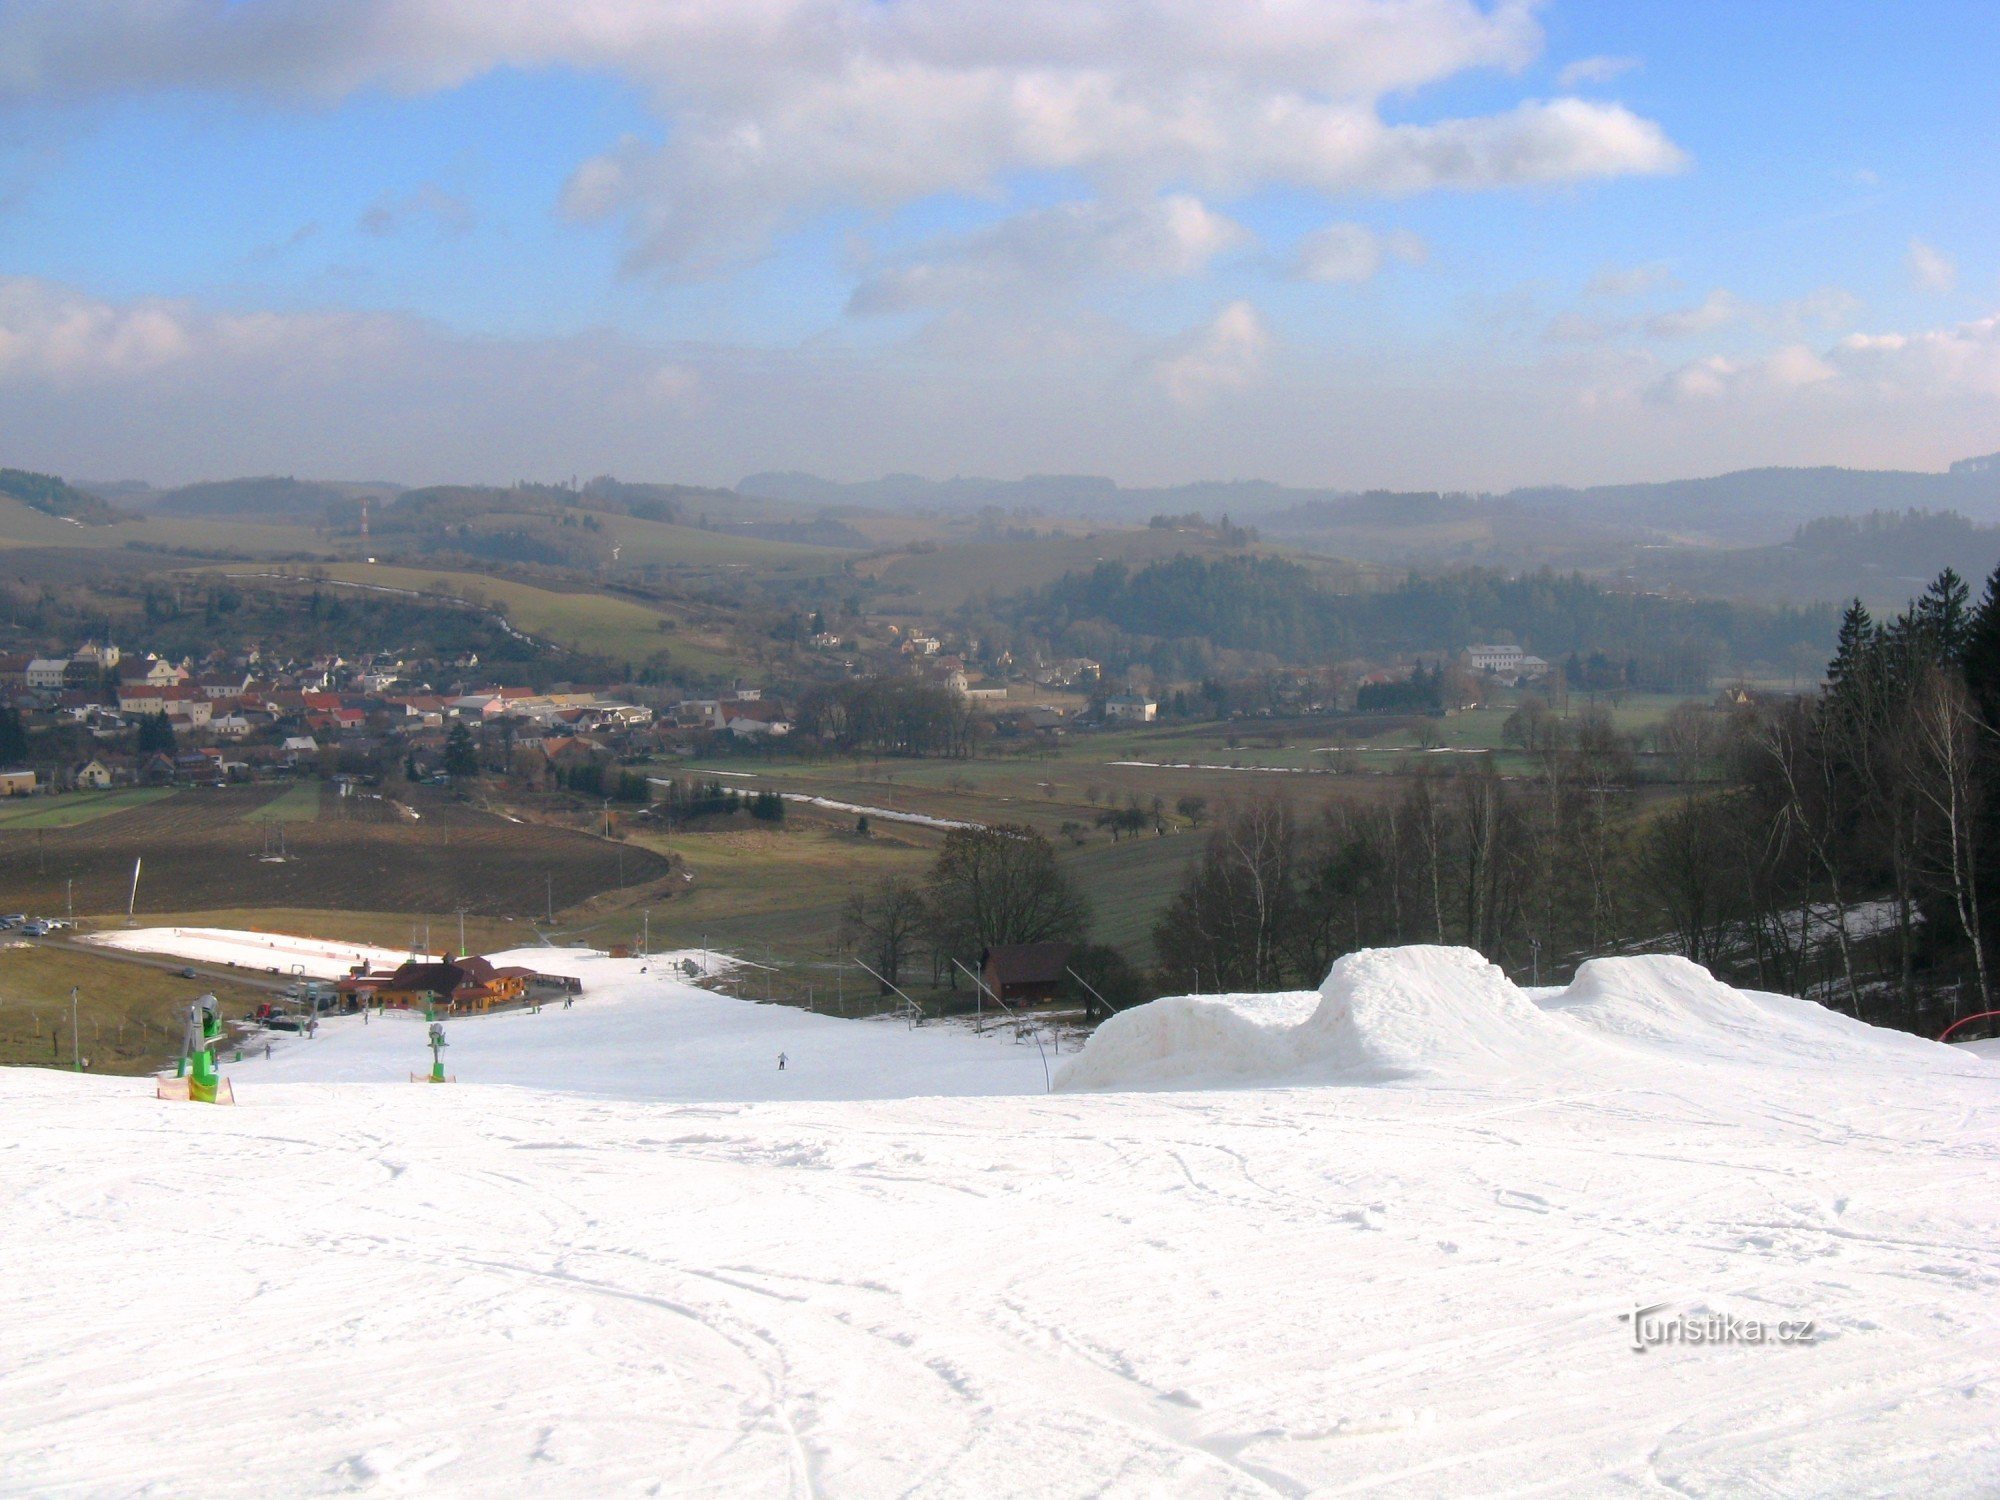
[(781, 1062)]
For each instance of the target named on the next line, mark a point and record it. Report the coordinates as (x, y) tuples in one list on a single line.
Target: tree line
[(1843, 844), (1174, 614)]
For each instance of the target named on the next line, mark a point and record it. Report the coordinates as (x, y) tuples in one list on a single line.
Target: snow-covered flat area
[(316, 958), (1375, 1239)]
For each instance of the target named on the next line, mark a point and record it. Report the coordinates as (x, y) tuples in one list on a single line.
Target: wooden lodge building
[(452, 984)]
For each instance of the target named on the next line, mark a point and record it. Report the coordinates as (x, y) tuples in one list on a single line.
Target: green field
[(76, 808), (297, 803), (128, 1015), (641, 542), (580, 621), (23, 526)]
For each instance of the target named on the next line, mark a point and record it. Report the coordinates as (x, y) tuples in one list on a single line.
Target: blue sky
[(1410, 242)]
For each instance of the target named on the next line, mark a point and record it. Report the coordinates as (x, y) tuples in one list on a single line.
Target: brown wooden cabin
[(1024, 973)]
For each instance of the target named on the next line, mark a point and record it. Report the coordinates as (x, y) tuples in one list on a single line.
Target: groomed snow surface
[(1374, 1238)]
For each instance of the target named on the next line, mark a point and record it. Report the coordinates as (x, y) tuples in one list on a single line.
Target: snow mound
[(1193, 1040), (1401, 1011), (1383, 1013), (1667, 1003), (1449, 1014)]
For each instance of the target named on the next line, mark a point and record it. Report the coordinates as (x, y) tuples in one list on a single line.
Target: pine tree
[(461, 758), (1940, 618), (1853, 653), (1980, 657)]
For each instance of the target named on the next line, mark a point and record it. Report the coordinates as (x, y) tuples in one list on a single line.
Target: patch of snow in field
[(1190, 765), (317, 958), (885, 814)]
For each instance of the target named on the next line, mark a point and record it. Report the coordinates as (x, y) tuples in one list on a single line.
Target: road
[(219, 972)]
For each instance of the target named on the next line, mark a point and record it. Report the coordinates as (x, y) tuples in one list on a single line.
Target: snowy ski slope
[(1374, 1239)]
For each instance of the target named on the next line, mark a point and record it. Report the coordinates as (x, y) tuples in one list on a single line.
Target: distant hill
[(55, 497), (1883, 558), (1762, 505), (273, 499), (1748, 507)]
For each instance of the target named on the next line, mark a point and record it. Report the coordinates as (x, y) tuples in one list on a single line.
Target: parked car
[(35, 929), (189, 973), (14, 921)]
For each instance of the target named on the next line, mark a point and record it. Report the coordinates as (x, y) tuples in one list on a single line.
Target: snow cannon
[(438, 1044), (201, 1083)]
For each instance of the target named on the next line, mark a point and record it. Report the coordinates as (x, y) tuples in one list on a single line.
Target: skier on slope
[(781, 1062)]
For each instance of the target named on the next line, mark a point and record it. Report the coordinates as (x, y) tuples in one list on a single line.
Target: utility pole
[(75, 1045), (461, 932)]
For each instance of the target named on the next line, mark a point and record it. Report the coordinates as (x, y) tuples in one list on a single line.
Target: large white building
[(1494, 658)]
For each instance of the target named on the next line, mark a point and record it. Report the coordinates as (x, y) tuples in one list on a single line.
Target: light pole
[(75, 1045)]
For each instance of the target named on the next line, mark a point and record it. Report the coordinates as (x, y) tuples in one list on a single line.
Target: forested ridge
[(1282, 609)]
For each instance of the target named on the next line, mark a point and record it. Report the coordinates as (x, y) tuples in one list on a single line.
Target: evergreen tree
[(1980, 657), (156, 735), (460, 756), (13, 736), (1941, 619)]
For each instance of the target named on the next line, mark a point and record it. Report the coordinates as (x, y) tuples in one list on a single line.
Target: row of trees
[(887, 716), (1857, 846), (1177, 613), (1463, 856)]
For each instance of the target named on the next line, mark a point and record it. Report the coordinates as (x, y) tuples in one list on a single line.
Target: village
[(100, 717)]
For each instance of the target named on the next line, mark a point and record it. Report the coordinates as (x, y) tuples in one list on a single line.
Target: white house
[(93, 775), (1131, 709), (46, 672), (176, 702), (1494, 658)]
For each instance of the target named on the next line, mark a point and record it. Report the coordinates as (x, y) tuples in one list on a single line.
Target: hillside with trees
[(1172, 614), (56, 497)]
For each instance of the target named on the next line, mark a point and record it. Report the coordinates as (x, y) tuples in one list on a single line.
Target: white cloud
[(1937, 365), (776, 110), (1941, 362), (1353, 252), (1047, 250), (1595, 70), (1931, 270), (1790, 368), (1719, 308), (1221, 358)]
